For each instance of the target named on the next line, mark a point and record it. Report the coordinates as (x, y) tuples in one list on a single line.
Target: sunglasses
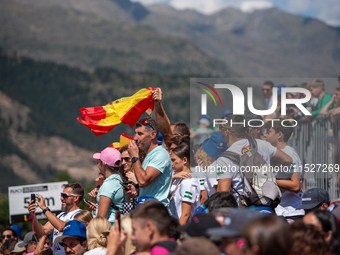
[(265, 89), (127, 159), (65, 195), (144, 122), (8, 236)]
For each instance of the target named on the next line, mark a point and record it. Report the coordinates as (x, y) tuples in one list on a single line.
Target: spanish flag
[(124, 140), (102, 119)]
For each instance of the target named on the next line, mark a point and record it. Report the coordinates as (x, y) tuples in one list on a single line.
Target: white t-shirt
[(64, 216), (230, 169), (206, 179), (290, 200), (96, 251), (269, 102), (184, 190), (200, 177)]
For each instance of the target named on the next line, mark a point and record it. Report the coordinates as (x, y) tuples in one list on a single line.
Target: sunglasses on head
[(144, 122), (8, 236), (65, 195)]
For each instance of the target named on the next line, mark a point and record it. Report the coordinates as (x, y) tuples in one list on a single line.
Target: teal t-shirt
[(112, 189), (158, 158)]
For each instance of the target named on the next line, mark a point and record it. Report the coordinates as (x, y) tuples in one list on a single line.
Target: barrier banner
[(20, 196)]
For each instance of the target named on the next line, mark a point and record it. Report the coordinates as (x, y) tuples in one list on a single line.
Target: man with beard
[(154, 175), (71, 197)]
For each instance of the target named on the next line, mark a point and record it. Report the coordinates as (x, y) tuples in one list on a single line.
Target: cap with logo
[(313, 197), (109, 156), (143, 199), (214, 146), (72, 228)]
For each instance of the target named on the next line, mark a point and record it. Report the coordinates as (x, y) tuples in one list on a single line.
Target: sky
[(327, 11)]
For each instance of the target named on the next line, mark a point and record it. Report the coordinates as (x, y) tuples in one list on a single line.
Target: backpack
[(260, 187)]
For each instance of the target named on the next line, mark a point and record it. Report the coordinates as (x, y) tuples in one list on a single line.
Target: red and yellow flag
[(102, 119), (124, 140)]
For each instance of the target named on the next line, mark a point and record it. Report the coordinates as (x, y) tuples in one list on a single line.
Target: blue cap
[(206, 116), (226, 112), (214, 146), (72, 228), (17, 229), (279, 88), (160, 139), (143, 199)]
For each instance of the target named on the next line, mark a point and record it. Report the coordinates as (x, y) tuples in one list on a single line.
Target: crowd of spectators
[(162, 199)]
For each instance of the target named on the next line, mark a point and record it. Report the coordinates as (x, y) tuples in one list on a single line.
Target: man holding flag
[(154, 175)]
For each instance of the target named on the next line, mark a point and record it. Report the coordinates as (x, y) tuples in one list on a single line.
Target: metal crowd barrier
[(317, 143)]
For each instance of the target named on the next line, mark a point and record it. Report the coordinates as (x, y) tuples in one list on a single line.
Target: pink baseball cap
[(109, 156)]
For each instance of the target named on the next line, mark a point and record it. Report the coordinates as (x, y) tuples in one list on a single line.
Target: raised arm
[(325, 109), (144, 177), (40, 229), (52, 219), (161, 117)]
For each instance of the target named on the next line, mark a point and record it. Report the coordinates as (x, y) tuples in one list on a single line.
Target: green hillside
[(55, 93), (90, 40)]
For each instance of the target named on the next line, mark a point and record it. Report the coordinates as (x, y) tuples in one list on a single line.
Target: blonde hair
[(84, 216), (94, 232), (127, 226), (206, 159), (316, 83)]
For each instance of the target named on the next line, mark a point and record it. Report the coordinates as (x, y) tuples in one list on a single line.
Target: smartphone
[(33, 197), (89, 203), (118, 213)]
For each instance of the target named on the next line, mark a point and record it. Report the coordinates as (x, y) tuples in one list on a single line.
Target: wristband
[(46, 209)]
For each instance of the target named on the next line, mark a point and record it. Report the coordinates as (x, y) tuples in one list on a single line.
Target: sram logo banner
[(20, 196)]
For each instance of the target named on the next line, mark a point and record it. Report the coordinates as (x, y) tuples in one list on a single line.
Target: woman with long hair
[(127, 166), (126, 224), (110, 197), (326, 222), (184, 193), (96, 235)]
